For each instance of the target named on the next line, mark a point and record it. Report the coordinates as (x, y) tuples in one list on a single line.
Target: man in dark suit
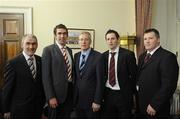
[(57, 70), (157, 78), (23, 94), (89, 79), (120, 74)]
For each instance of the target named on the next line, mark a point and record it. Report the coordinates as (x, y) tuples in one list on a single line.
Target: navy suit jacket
[(21, 93), (90, 85), (157, 81)]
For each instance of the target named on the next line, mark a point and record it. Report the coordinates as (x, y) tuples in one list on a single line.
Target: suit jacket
[(90, 84), (157, 80), (54, 70), (126, 73), (22, 95)]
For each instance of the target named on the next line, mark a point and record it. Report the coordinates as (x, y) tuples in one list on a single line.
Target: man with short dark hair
[(120, 77), (158, 72), (57, 70)]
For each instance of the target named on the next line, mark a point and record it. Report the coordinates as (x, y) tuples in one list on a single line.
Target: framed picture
[(73, 33)]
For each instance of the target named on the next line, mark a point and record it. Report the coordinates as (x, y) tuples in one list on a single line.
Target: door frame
[(26, 11)]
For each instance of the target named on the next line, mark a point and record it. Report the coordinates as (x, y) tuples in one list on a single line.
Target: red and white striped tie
[(69, 69), (112, 78)]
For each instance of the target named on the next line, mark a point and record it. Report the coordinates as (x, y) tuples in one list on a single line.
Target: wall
[(164, 19), (100, 15)]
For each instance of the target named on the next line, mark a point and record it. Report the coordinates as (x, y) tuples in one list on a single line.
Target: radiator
[(175, 103)]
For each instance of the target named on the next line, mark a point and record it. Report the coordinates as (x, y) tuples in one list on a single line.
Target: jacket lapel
[(70, 53), (58, 50), (77, 63), (38, 67), (153, 57), (106, 58), (26, 66), (119, 60)]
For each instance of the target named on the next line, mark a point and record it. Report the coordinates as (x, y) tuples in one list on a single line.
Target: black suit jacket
[(157, 81), (126, 73), (22, 95), (54, 71), (90, 85)]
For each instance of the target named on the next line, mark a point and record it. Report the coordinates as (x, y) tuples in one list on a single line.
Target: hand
[(150, 110), (53, 103), (7, 115), (95, 107)]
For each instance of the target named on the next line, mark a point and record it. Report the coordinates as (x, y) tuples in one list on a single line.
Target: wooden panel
[(11, 31), (11, 27), (11, 49)]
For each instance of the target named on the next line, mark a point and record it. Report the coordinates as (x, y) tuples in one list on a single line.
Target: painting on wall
[(73, 39)]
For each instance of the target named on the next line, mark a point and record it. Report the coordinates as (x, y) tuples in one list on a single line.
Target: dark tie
[(112, 77), (82, 64), (31, 66), (69, 70), (147, 57)]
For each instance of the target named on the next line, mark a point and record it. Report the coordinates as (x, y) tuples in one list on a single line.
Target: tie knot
[(63, 49), (148, 55), (113, 53), (30, 58), (83, 56)]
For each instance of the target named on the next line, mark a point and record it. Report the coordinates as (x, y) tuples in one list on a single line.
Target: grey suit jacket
[(54, 73)]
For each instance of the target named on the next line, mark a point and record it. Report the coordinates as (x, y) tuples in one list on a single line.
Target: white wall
[(164, 19), (100, 15)]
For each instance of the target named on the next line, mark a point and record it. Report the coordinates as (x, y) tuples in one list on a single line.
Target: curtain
[(143, 21)]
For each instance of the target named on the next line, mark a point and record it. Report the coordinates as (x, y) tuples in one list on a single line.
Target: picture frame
[(73, 37)]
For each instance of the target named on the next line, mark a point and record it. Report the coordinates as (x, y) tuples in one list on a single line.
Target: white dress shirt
[(116, 86)]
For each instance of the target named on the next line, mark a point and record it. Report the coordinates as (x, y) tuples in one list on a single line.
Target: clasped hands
[(150, 110)]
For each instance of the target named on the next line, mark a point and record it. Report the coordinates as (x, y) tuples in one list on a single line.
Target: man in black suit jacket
[(157, 78), (57, 70), (23, 94), (88, 80), (118, 96)]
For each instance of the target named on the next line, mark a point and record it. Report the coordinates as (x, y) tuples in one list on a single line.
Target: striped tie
[(69, 70), (82, 64), (112, 77), (147, 57), (31, 66)]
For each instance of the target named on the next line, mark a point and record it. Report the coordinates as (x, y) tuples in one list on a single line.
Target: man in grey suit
[(57, 61), (89, 79)]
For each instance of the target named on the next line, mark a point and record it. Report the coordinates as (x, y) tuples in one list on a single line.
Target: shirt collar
[(152, 52), (86, 52), (60, 46), (27, 56), (116, 50)]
